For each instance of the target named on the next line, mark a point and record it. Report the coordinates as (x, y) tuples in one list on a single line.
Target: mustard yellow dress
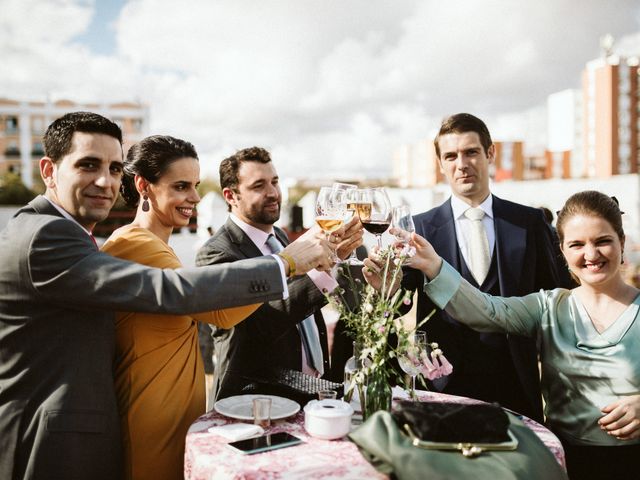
[(159, 374)]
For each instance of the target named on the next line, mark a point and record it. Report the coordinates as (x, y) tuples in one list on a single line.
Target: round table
[(208, 457)]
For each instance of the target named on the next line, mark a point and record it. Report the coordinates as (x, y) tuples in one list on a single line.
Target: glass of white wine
[(348, 190), (330, 211), (410, 357), (358, 203)]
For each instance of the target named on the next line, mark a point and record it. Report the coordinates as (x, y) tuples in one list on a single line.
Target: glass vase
[(351, 368), (377, 395)]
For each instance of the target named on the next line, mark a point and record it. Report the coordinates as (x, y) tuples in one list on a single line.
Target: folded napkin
[(237, 431)]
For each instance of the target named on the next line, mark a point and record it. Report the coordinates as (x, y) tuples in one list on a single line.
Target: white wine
[(329, 224), (364, 210)]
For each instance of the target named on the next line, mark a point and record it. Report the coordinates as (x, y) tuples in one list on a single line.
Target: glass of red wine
[(375, 213)]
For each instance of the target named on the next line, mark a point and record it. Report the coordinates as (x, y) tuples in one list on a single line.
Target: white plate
[(241, 407)]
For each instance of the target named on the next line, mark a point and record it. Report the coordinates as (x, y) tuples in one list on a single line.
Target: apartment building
[(610, 117), (22, 126)]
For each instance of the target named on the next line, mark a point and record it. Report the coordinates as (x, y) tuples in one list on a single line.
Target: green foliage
[(13, 191), (208, 185), (373, 321)]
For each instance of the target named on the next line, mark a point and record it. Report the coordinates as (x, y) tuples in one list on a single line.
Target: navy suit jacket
[(528, 259)]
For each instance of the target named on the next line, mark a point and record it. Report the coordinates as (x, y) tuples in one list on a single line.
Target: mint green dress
[(582, 370)]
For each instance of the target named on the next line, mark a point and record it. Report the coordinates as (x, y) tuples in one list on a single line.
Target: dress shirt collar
[(459, 207), (66, 215), (257, 236)]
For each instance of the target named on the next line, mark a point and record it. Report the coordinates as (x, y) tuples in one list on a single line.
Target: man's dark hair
[(57, 138), (229, 166), (150, 158), (462, 123)]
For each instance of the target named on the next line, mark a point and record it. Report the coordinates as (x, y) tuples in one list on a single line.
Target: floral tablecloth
[(208, 457)]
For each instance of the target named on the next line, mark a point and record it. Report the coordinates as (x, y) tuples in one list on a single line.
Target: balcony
[(12, 152)]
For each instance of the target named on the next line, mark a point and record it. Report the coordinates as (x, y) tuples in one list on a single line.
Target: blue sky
[(100, 36)]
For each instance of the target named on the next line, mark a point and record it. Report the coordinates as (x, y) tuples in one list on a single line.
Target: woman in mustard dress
[(159, 373)]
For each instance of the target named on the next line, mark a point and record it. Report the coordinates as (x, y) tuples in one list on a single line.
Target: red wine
[(377, 227)]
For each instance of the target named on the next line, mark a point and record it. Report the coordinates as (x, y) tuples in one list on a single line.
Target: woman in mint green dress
[(588, 337)]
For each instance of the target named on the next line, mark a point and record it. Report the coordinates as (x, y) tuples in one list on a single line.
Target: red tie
[(93, 239)]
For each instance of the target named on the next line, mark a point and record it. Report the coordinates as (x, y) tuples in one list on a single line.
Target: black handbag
[(444, 422)]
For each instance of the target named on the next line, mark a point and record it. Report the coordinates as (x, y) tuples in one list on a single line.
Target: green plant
[(373, 323), (13, 191)]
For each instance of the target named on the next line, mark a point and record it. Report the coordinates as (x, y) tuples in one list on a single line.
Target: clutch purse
[(291, 384), (469, 428)]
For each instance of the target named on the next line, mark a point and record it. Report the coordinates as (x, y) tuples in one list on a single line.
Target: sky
[(330, 87)]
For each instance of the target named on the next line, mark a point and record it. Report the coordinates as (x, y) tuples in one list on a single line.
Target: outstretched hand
[(373, 272), (622, 418), (347, 238), (426, 259), (311, 250)]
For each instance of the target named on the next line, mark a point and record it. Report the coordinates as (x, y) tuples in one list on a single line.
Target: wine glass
[(410, 357), (375, 212), (348, 190), (330, 211), (402, 222), (357, 201)]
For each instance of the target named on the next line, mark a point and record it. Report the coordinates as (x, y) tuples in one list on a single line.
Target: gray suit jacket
[(269, 337), (58, 417)]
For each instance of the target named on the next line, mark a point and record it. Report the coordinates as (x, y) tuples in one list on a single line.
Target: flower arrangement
[(372, 322)]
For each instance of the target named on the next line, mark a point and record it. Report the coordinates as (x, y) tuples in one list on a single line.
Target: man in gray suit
[(289, 333), (58, 417)]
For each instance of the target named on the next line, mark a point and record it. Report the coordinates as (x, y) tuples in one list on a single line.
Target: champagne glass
[(330, 211), (410, 357), (348, 190), (402, 222), (357, 201), (375, 212)]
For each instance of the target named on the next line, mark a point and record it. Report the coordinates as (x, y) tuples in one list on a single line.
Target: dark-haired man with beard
[(290, 333)]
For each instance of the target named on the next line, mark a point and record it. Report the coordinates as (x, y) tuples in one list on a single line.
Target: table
[(207, 457)]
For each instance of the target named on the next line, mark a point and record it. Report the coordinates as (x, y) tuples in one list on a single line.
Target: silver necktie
[(308, 331), (478, 245)]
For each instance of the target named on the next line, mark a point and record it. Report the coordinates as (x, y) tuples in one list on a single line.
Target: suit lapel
[(242, 241), (41, 206), (442, 234), (511, 244)]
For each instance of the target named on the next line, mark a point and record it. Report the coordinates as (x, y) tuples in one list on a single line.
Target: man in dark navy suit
[(515, 256)]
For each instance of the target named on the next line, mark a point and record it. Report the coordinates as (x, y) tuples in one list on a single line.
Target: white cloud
[(330, 86)]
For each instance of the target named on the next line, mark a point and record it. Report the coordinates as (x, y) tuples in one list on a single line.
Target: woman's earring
[(145, 203)]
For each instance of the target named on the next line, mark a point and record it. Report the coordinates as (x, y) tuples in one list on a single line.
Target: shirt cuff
[(322, 280), (443, 286), (283, 275)]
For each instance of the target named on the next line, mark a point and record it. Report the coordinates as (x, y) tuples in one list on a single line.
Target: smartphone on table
[(265, 443)]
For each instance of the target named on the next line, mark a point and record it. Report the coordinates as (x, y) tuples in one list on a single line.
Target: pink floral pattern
[(208, 457)]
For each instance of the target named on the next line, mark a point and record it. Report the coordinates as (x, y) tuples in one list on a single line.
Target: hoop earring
[(145, 203)]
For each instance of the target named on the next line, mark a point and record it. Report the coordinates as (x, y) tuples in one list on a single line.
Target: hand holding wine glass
[(402, 223), (330, 211)]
